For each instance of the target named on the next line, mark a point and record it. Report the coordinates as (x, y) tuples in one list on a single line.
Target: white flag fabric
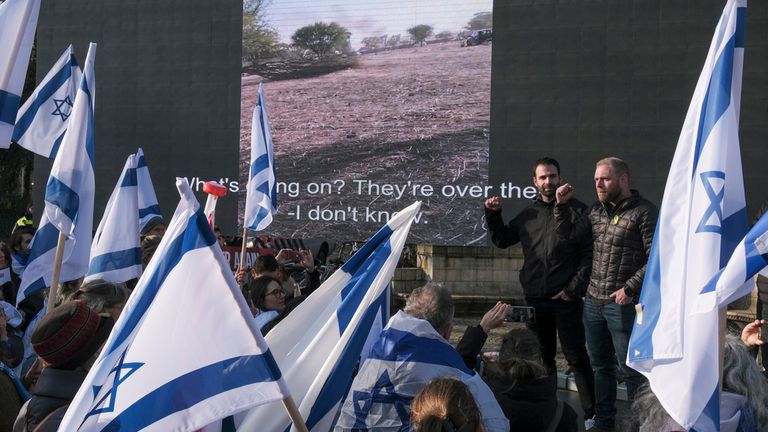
[(184, 352), (409, 354), (701, 220), (18, 22), (42, 120), (148, 206), (261, 200), (69, 197), (735, 279), (116, 251), (321, 341)]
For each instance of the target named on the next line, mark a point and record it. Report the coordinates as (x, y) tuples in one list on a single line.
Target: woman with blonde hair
[(445, 405)]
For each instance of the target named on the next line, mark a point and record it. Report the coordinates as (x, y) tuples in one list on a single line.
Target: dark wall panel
[(167, 80), (581, 80)]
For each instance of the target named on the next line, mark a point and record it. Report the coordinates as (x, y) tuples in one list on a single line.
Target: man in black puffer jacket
[(554, 277), (621, 225)]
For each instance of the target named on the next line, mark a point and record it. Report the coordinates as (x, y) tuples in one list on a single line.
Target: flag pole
[(242, 250), (55, 291), (294, 414)]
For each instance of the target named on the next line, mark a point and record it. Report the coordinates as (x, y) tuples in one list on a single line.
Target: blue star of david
[(112, 393), (60, 104), (383, 392), (715, 202)]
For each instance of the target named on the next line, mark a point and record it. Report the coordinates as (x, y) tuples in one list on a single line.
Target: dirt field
[(416, 114)]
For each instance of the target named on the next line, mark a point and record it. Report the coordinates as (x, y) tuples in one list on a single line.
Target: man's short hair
[(432, 303), (546, 161), (619, 166), (265, 263)]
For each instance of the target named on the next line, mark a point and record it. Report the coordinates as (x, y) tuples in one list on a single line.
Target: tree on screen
[(444, 35), (481, 20), (420, 33), (260, 42), (322, 38)]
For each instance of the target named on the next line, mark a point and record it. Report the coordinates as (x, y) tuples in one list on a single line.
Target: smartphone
[(521, 314)]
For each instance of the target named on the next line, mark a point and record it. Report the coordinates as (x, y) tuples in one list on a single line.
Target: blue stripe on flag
[(712, 409), (56, 145), (9, 107), (194, 387), (130, 178), (733, 228), (716, 100), (260, 164), (44, 240), (353, 292), (416, 349), (340, 379), (141, 163), (641, 338), (263, 188), (34, 287), (61, 78), (115, 260), (197, 235), (352, 264), (63, 197), (741, 26), (154, 209)]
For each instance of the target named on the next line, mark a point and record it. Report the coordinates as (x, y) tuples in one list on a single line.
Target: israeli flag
[(185, 352), (319, 344), (18, 22), (116, 251), (735, 279), (702, 219), (409, 354), (69, 197), (261, 200), (42, 120), (148, 206)]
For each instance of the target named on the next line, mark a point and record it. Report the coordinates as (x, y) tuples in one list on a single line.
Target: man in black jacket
[(554, 275), (621, 225)]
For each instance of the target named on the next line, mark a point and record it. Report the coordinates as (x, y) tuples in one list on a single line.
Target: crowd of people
[(583, 270)]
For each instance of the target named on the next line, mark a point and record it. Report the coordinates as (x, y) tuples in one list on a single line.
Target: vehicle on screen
[(478, 37)]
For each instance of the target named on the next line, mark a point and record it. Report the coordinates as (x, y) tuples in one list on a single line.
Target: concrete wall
[(477, 276)]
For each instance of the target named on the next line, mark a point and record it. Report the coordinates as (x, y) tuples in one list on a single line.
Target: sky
[(365, 18)]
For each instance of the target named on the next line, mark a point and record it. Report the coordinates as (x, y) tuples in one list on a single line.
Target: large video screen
[(373, 105)]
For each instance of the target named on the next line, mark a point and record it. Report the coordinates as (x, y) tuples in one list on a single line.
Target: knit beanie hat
[(70, 335), (155, 221)]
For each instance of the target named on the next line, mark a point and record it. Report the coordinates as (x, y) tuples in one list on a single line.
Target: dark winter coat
[(54, 389), (551, 264), (621, 237)]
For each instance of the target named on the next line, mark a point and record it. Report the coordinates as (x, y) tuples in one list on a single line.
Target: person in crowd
[(154, 227), (621, 225), (289, 307), (268, 298), (9, 283), (554, 276), (281, 267), (743, 401), (761, 283), (103, 297), (67, 288), (525, 389), (67, 340), (410, 352), (12, 392), (445, 405), (20, 240), (26, 221), (11, 346), (219, 238), (149, 245)]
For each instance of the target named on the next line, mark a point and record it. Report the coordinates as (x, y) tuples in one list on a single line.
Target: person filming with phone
[(554, 276)]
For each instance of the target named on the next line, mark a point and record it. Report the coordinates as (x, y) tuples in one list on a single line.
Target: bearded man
[(554, 276), (621, 225)]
